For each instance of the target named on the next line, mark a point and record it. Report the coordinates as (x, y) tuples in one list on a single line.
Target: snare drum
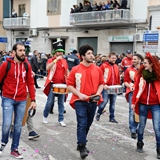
[(60, 89), (115, 89)]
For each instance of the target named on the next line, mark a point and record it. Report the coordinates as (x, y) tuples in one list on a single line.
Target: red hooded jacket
[(16, 82)]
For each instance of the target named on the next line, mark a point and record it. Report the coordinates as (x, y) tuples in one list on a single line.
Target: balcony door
[(22, 9)]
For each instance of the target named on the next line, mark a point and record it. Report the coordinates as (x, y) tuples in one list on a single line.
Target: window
[(53, 6), (21, 9)]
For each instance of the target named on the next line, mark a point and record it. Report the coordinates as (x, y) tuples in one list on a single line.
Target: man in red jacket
[(14, 95), (83, 82), (129, 77), (111, 77)]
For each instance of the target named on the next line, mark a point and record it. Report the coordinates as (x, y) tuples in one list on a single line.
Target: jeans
[(106, 97), (85, 114), (50, 103), (10, 106), (132, 124), (143, 111)]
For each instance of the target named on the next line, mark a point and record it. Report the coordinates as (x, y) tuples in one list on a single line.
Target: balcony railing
[(19, 22), (106, 16)]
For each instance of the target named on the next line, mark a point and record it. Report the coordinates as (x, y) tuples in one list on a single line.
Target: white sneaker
[(45, 120), (62, 124)]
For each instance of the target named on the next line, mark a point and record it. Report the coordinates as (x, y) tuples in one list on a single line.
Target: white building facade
[(51, 19)]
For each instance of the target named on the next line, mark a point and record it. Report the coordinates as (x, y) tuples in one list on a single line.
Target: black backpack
[(7, 69)]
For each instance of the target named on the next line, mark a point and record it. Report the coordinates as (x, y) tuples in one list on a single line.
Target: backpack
[(7, 69)]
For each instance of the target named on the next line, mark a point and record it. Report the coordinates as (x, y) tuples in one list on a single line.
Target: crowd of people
[(101, 7), (90, 92)]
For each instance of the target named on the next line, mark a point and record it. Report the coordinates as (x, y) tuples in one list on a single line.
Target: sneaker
[(113, 121), (64, 112), (45, 120), (140, 147), (51, 112), (38, 87), (16, 154), (133, 135), (2, 148), (33, 135), (62, 124), (98, 117)]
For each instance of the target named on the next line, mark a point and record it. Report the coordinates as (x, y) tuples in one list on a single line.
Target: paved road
[(106, 141)]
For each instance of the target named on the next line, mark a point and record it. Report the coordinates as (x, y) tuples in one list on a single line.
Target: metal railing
[(100, 16), (18, 22)]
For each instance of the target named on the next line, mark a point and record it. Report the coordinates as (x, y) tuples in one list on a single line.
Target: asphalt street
[(106, 140)]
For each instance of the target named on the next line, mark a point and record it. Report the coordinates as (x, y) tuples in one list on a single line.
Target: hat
[(74, 51), (129, 51), (58, 47)]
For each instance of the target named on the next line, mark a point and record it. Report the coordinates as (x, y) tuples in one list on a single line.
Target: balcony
[(107, 18), (16, 23)]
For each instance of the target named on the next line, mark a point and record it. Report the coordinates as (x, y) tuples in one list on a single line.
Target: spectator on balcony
[(75, 8), (80, 7), (108, 5), (115, 4), (111, 5), (94, 8), (14, 13), (104, 11), (123, 4)]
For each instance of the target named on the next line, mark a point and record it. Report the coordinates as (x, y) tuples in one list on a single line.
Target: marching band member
[(129, 77), (58, 72), (83, 82), (111, 77), (146, 99)]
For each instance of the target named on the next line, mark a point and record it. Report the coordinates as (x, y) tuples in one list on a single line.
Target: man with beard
[(83, 83), (111, 77), (14, 95), (129, 78)]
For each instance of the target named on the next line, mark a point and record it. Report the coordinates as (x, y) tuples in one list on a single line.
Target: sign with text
[(3, 40), (120, 38), (150, 48)]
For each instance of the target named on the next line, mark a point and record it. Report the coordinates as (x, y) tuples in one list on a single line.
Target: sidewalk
[(27, 152)]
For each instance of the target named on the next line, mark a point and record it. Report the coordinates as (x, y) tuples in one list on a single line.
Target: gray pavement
[(106, 141)]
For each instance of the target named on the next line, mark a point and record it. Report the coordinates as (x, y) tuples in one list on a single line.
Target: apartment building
[(3, 38), (46, 20)]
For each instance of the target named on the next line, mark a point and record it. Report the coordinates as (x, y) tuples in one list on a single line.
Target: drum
[(115, 89), (60, 89)]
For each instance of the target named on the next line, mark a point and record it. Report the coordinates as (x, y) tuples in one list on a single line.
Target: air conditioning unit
[(33, 32), (138, 37)]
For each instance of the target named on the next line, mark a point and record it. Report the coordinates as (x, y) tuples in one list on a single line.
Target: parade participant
[(127, 61), (130, 74), (83, 82), (146, 99), (14, 95), (57, 68), (72, 60), (111, 77)]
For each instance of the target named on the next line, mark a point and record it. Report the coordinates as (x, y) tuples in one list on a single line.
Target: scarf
[(149, 76)]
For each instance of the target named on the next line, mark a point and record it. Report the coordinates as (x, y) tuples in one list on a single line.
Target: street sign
[(150, 37), (3, 40), (150, 48)]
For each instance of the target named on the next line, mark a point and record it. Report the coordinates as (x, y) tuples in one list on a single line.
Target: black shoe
[(98, 117), (82, 150), (113, 121), (38, 87), (32, 135), (158, 153), (140, 147), (64, 112), (78, 149), (133, 135)]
